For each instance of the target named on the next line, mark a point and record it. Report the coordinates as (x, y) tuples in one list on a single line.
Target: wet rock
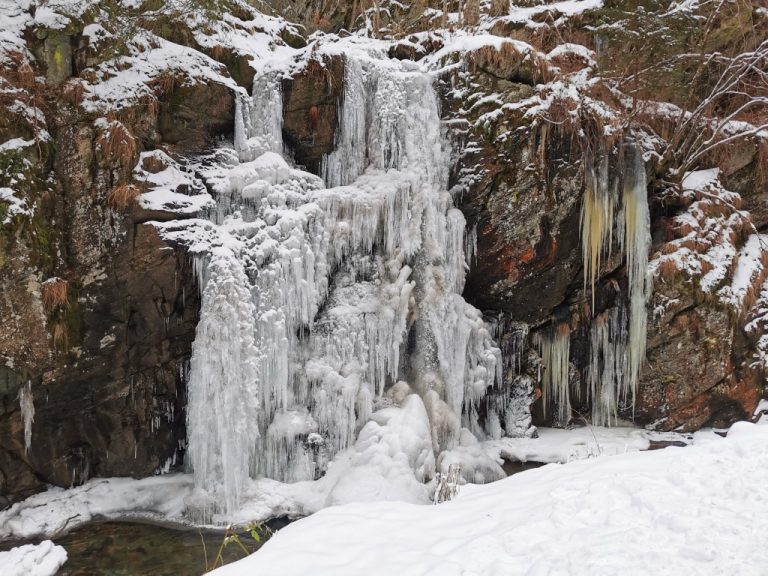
[(311, 101), (193, 116), (113, 405), (57, 51)]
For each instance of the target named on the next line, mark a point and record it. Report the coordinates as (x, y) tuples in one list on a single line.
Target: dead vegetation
[(123, 196), (118, 145), (55, 295)]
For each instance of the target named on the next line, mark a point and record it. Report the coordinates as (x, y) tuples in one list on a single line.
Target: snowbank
[(42, 559), (560, 445), (685, 511), (380, 467)]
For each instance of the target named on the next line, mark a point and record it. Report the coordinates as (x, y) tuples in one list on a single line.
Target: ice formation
[(637, 243), (326, 301), (27, 406), (617, 336), (597, 215), (554, 349)]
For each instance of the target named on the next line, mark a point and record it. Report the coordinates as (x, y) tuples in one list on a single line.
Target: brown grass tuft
[(165, 83), (668, 270), (55, 294), (150, 102), (123, 196), (118, 145), (74, 91), (60, 336)]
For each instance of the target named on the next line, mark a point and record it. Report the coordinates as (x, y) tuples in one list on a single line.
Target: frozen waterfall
[(327, 301)]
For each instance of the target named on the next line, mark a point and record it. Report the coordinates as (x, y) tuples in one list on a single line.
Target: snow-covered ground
[(699, 510), (42, 559), (361, 475)]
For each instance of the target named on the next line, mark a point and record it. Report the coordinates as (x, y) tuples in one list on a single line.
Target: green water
[(136, 549)]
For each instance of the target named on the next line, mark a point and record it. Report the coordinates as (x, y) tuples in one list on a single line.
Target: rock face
[(311, 102), (115, 405), (99, 314), (521, 187)]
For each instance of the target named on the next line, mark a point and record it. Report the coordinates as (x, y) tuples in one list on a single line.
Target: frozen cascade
[(321, 306), (597, 215), (617, 338), (637, 243), (27, 406), (224, 350), (555, 349)]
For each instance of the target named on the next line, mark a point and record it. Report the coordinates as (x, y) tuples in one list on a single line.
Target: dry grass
[(220, 52), (149, 101), (668, 270), (499, 8), (55, 294), (60, 336), (118, 145), (165, 83), (73, 91), (123, 196)]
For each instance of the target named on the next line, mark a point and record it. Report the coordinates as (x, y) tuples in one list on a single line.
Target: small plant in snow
[(256, 531), (447, 484)]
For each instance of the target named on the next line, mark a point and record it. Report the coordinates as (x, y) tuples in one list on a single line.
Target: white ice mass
[(330, 305)]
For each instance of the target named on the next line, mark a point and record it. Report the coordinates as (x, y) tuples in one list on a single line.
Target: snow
[(392, 460), (125, 80), (706, 248), (748, 272), (761, 412), (560, 10), (15, 17), (565, 445), (42, 559), (16, 206), (173, 189), (686, 511)]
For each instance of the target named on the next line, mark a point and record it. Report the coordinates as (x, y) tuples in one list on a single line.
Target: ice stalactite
[(509, 406), (554, 346), (318, 302), (607, 365), (597, 219), (223, 387), (637, 243), (259, 129), (27, 407), (618, 336)]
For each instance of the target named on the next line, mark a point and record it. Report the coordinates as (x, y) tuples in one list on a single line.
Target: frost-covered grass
[(699, 510)]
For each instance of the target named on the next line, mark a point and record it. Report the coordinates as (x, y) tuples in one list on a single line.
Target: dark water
[(113, 548), (512, 467), (130, 549)]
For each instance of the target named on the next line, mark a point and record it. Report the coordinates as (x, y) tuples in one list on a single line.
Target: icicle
[(259, 119), (27, 406), (637, 243), (555, 350), (222, 412), (607, 365), (470, 245), (617, 353), (597, 211)]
